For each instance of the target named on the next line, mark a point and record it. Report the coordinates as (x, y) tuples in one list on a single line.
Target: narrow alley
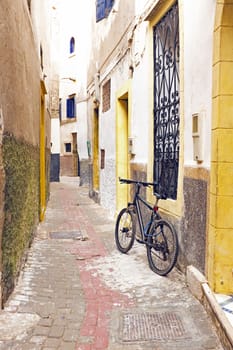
[(78, 292), (91, 92)]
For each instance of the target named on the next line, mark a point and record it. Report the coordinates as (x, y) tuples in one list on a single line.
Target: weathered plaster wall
[(106, 40), (20, 81), (20, 99), (196, 75), (195, 222), (112, 57)]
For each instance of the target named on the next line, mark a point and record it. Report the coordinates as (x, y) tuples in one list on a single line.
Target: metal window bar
[(166, 103)]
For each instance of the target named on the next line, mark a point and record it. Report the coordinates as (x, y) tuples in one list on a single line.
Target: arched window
[(72, 45)]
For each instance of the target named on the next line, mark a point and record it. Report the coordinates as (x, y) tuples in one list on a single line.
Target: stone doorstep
[(199, 287)]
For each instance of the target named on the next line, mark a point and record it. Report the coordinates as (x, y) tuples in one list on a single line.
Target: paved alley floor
[(78, 292)]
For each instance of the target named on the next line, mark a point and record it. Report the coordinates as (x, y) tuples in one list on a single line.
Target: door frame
[(43, 92), (123, 122), (96, 167)]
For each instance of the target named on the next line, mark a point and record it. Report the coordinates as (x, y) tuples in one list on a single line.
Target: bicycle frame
[(136, 204)]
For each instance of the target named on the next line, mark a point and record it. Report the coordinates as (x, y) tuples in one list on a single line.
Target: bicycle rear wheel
[(162, 248), (125, 230)]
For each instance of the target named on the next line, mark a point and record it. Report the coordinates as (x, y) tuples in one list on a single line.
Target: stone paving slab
[(78, 293)]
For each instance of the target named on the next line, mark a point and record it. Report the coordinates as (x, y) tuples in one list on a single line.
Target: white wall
[(198, 17), (141, 95), (55, 135), (82, 130)]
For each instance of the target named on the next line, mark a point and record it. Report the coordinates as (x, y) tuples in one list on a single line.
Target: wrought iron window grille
[(166, 103)]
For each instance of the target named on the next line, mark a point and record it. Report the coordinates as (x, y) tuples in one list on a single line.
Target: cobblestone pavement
[(78, 292)]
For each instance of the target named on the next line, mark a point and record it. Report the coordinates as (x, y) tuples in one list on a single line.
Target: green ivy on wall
[(21, 166)]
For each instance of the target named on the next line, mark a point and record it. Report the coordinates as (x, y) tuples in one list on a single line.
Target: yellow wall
[(220, 240), (123, 115), (96, 149), (42, 154)]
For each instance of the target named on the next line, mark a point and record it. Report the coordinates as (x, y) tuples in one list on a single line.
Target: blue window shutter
[(109, 5), (74, 107), (70, 107), (72, 45), (100, 10)]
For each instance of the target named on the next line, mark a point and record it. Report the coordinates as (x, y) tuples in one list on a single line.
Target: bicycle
[(158, 234)]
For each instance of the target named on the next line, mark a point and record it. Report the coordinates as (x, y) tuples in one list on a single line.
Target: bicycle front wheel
[(162, 247), (125, 230)]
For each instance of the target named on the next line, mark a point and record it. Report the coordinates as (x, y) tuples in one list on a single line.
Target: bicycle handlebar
[(143, 183)]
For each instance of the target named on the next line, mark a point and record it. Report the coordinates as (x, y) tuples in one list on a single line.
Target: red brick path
[(100, 299)]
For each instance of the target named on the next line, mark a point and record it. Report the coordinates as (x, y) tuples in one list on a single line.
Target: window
[(166, 103), (72, 45), (103, 7), (106, 96), (68, 147), (70, 107)]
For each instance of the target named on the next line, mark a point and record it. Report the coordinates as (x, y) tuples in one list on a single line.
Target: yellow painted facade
[(219, 230), (96, 149), (123, 116), (42, 154), (220, 239)]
